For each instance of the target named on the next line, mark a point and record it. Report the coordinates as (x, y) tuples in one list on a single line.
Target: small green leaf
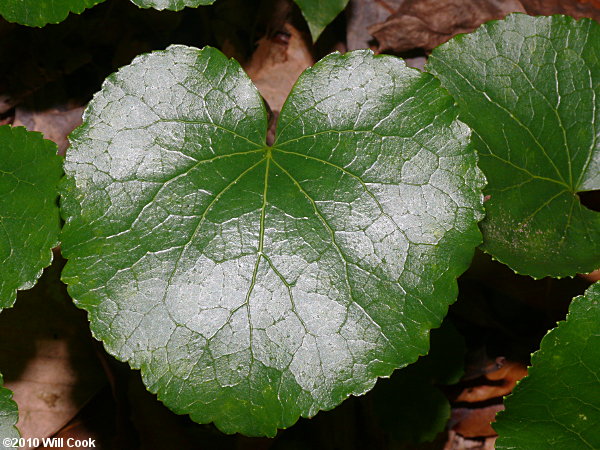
[(529, 87), (37, 13), (29, 218), (409, 406), (320, 13), (173, 5), (254, 284), (556, 405), (9, 415)]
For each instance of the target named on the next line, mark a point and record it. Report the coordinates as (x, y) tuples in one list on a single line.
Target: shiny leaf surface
[(173, 5), (556, 405), (320, 13), (9, 415), (254, 284), (29, 218), (37, 13), (529, 87)]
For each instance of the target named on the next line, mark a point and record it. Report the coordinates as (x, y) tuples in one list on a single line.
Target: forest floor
[(66, 385)]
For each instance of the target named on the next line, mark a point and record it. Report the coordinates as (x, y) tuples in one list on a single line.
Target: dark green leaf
[(557, 404), (8, 416), (529, 87), (173, 5), (37, 13), (29, 218), (320, 13), (254, 284), (409, 406)]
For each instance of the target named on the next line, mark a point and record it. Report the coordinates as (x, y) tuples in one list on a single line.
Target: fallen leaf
[(425, 24), (47, 357), (277, 63), (475, 422), (457, 442), (361, 14), (54, 123), (575, 8), (509, 373)]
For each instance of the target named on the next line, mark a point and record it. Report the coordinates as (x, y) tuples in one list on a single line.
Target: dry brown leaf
[(277, 63), (425, 24), (54, 123), (592, 277), (47, 357), (575, 8), (475, 422), (508, 374), (361, 14), (458, 442)]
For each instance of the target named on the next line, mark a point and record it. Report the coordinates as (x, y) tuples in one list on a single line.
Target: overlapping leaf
[(37, 13), (254, 284), (29, 218), (8, 416), (556, 405), (173, 5), (529, 87), (320, 13)]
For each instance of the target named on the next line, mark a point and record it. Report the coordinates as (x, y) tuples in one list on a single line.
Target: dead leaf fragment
[(361, 14), (425, 24), (277, 63), (507, 375), (475, 422), (54, 123), (575, 8), (47, 357), (458, 442)]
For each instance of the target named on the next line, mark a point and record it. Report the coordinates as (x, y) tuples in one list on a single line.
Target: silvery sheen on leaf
[(252, 284)]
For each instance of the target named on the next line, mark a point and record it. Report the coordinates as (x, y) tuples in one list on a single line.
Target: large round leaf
[(173, 5), (254, 284), (556, 405), (9, 415), (37, 13), (529, 87), (29, 219)]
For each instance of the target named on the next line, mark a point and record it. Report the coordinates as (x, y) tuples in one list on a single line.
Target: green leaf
[(556, 405), (29, 218), (409, 406), (529, 87), (254, 284), (173, 5), (9, 415), (320, 13), (37, 13)]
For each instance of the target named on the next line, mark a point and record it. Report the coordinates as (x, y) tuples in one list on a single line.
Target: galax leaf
[(253, 284), (320, 13), (529, 87), (8, 417), (29, 217), (556, 405), (37, 13), (173, 5)]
